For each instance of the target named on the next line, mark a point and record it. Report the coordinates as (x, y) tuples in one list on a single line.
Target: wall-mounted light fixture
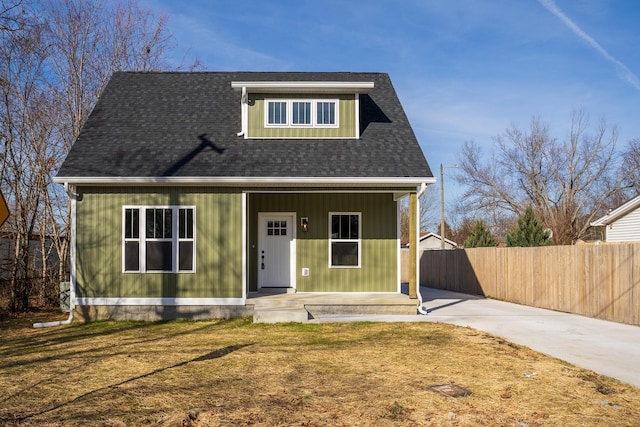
[(304, 223)]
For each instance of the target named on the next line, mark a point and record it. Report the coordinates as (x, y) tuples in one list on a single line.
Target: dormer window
[(326, 113), (277, 113), (300, 109), (301, 113)]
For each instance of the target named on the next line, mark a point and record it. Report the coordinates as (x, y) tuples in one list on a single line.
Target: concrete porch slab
[(270, 307)]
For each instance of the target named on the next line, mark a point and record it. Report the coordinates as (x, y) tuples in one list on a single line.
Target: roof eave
[(249, 181), (617, 213), (303, 87)]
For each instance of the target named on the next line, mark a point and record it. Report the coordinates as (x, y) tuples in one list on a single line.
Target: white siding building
[(622, 224), (430, 241)]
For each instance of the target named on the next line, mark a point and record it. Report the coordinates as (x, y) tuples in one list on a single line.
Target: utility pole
[(441, 206), (442, 203)]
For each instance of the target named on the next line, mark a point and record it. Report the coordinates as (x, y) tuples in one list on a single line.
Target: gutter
[(293, 181), (243, 108), (421, 190)]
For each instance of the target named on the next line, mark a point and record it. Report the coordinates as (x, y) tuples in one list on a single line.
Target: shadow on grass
[(72, 335), (203, 358)]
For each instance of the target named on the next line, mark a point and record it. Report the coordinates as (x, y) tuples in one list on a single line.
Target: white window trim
[(314, 110), (142, 238), (359, 240), (287, 118)]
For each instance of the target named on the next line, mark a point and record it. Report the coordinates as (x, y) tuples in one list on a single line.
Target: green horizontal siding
[(379, 265), (218, 244), (347, 119)]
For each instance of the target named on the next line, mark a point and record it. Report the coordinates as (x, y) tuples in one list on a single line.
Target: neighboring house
[(622, 224), (191, 190), (430, 240)]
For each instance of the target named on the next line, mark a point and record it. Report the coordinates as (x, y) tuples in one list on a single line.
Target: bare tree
[(89, 40), (53, 68), (567, 182), (630, 168), (462, 231), (25, 132), (10, 15)]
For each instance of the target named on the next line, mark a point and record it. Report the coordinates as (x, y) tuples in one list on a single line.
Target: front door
[(276, 264)]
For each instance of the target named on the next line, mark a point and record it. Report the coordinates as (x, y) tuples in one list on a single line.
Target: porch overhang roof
[(249, 181)]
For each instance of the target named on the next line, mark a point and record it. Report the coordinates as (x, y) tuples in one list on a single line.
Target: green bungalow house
[(190, 191)]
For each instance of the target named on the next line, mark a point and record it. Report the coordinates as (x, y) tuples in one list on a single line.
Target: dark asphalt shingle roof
[(186, 125)]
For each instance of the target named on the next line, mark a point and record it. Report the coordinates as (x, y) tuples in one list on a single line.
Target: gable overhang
[(303, 87), (289, 182), (617, 213), (437, 236)]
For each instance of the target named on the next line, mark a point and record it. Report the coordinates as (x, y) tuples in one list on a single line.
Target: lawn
[(236, 373)]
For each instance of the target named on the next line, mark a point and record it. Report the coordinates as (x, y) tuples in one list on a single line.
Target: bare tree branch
[(55, 60), (566, 182)]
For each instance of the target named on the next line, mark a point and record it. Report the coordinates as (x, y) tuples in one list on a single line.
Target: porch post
[(413, 242)]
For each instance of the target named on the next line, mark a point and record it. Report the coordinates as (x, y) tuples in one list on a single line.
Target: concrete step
[(317, 310), (277, 290), (280, 315)]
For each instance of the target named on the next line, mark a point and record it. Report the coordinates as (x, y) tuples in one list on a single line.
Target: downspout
[(72, 289), (421, 190), (243, 109)]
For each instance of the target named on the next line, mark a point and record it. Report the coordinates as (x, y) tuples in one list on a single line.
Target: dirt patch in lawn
[(236, 373)]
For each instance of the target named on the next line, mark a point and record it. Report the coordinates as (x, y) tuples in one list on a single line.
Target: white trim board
[(159, 301), (250, 182), (304, 86)]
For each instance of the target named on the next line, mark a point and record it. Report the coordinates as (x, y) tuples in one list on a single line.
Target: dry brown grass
[(235, 373)]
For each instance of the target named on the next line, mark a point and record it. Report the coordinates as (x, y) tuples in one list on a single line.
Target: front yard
[(236, 373)]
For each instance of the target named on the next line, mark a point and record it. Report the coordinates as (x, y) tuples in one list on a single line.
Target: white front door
[(276, 253)]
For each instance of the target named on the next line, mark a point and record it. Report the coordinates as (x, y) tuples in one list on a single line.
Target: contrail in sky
[(625, 72)]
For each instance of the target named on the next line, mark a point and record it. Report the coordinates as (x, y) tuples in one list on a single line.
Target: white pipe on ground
[(57, 323)]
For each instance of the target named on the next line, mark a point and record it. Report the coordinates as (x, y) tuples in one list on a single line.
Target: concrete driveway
[(608, 348)]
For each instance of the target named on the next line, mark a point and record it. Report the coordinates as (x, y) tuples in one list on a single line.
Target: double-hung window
[(159, 239), (301, 112), (345, 239)]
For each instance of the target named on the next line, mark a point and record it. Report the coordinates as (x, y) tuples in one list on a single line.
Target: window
[(344, 240), (326, 113), (277, 113), (276, 228), (159, 239), (301, 112), (131, 240)]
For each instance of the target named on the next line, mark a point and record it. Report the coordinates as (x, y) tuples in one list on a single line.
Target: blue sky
[(464, 69)]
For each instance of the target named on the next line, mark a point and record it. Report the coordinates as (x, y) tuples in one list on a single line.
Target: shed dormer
[(300, 109)]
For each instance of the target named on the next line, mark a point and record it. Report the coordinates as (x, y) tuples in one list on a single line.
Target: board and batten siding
[(379, 262), (625, 229), (218, 234), (346, 119)]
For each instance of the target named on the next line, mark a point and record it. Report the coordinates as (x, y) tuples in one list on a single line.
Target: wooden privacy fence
[(597, 281)]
